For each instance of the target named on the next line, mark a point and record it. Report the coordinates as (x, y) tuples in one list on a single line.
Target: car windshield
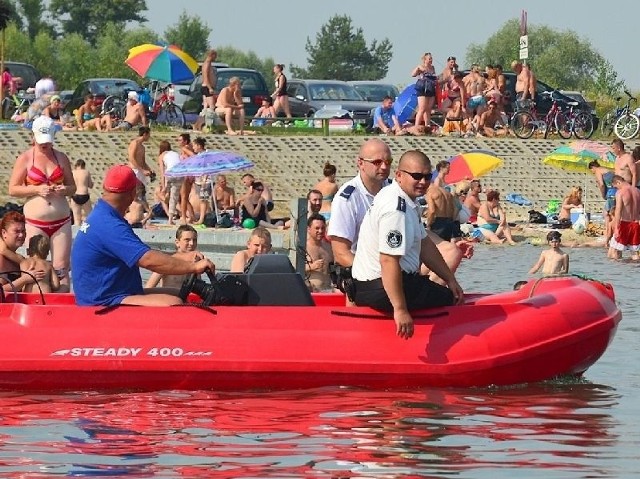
[(376, 92), (333, 91), (248, 80), (113, 87)]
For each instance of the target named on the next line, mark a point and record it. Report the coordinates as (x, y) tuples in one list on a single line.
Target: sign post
[(524, 37)]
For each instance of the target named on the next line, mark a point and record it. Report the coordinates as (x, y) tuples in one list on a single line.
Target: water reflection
[(563, 428)]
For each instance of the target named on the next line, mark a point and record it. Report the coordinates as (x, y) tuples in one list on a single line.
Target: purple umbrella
[(209, 163)]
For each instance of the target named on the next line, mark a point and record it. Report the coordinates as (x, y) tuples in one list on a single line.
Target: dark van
[(27, 72)]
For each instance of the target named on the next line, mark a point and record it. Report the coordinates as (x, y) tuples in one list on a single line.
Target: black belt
[(376, 283)]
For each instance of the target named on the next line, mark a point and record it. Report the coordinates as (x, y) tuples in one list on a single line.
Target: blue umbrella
[(209, 163), (406, 104)]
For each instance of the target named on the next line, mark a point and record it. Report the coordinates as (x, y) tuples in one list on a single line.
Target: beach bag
[(581, 224), (537, 217)]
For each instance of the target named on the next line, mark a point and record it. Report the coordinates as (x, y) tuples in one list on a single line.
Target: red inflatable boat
[(551, 327)]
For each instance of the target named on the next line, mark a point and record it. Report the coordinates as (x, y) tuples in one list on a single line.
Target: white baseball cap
[(133, 96), (43, 129)]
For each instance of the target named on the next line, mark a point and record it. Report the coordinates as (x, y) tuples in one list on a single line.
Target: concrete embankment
[(291, 165)]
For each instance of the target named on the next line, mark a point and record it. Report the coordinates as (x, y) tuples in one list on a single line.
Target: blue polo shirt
[(386, 114), (104, 258)]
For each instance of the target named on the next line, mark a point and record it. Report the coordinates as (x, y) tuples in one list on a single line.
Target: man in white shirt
[(355, 197), (392, 246), (44, 86)]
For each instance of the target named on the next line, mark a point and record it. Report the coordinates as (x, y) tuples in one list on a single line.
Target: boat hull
[(551, 327)]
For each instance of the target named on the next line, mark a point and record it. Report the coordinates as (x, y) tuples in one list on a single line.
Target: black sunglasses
[(378, 162), (419, 176), (451, 58)]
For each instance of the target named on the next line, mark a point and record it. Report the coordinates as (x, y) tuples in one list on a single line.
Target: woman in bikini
[(42, 175), (328, 187), (492, 220), (280, 98), (81, 201), (425, 90)]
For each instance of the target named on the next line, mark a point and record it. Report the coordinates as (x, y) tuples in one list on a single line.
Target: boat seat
[(273, 281)]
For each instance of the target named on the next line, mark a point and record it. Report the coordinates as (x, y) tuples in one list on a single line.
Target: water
[(562, 429)]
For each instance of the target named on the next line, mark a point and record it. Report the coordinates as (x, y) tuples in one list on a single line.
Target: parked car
[(374, 90), (100, 88), (306, 97), (27, 72), (254, 89), (181, 98)]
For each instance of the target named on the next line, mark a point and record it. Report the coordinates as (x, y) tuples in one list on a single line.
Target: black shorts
[(419, 292), (443, 227), (205, 91)]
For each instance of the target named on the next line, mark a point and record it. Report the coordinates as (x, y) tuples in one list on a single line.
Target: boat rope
[(5, 275), (354, 314)]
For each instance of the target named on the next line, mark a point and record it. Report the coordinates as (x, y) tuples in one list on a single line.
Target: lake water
[(563, 429)]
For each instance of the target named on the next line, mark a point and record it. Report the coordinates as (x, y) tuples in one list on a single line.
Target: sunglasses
[(258, 189), (451, 58), (378, 162), (419, 176)]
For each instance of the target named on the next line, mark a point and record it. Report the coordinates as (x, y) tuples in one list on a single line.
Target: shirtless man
[(81, 200), (136, 155), (525, 81), (624, 164), (441, 212), (626, 220), (314, 202), (442, 167), (472, 201), (134, 115), (319, 254), (139, 211), (229, 105), (490, 123), (209, 80), (225, 196), (186, 249)]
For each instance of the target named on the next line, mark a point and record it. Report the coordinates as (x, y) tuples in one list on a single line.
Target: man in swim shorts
[(626, 220)]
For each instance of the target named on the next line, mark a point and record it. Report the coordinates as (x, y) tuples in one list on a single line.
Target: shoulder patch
[(394, 239), (348, 191), (402, 204)]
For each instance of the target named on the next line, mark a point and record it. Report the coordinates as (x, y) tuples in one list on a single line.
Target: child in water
[(186, 249), (553, 261), (38, 251), (258, 243)]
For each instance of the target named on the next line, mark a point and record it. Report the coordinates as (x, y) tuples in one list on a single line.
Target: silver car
[(306, 97)]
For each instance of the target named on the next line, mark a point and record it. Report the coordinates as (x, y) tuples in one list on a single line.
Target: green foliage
[(32, 12), (340, 53), (74, 58), (190, 34), (560, 58), (7, 13), (88, 18), (239, 59), (17, 44)]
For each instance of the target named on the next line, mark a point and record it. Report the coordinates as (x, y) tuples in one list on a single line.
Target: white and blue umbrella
[(406, 104), (209, 163)]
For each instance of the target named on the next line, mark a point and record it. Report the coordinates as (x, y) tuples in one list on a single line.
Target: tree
[(32, 13), (340, 53), (6, 11), (561, 59), (88, 17), (190, 34)]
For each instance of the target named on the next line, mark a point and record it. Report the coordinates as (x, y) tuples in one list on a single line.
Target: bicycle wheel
[(171, 115), (583, 125), (108, 105), (8, 107), (607, 123), (563, 126), (522, 124), (627, 126)]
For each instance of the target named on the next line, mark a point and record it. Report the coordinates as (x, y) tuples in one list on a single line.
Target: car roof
[(110, 79), (369, 82), (319, 81)]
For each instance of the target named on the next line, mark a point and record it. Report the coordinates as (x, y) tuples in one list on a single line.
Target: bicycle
[(608, 121), (628, 124), (16, 105), (578, 123), (525, 122), (164, 111)]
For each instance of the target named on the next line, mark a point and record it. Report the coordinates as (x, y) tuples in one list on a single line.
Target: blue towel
[(518, 199)]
